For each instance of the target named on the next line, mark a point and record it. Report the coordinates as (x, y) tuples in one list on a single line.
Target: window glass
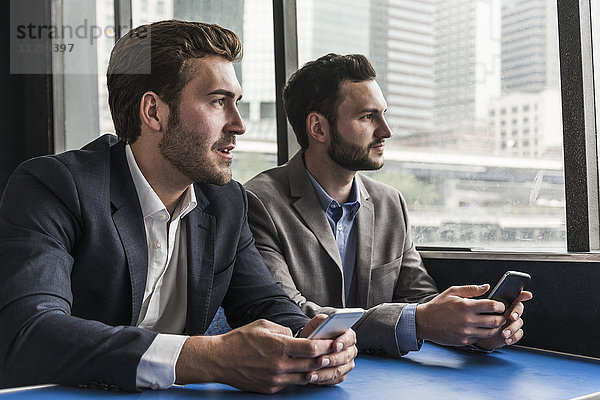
[(595, 22), (473, 97), (86, 34), (252, 21)]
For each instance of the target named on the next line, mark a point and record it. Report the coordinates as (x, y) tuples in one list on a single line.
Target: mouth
[(226, 151), (378, 146)]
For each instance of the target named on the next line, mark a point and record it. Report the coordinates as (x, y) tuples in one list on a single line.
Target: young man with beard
[(335, 238), (115, 257)]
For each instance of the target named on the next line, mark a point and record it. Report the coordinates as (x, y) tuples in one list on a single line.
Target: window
[(464, 185), (81, 109), (477, 186)]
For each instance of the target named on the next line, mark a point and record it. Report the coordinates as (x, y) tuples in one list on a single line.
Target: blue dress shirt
[(341, 219)]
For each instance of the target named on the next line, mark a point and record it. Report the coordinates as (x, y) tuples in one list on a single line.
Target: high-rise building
[(527, 117), (397, 36), (529, 45), (527, 124), (408, 82), (466, 63)]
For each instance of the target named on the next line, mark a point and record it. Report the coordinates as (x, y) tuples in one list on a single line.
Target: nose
[(236, 125), (384, 130)]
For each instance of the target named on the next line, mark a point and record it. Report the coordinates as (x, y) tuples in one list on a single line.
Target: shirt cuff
[(156, 369), (406, 331)]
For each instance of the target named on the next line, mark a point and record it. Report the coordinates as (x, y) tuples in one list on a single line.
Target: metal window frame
[(285, 38), (123, 18), (579, 126)]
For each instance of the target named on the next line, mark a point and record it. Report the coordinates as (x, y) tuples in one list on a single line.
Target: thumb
[(468, 291), (312, 325)]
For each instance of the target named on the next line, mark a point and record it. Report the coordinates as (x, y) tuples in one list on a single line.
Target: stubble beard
[(350, 156), (190, 153)]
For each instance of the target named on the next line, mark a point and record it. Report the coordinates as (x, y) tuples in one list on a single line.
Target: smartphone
[(337, 323), (509, 287)]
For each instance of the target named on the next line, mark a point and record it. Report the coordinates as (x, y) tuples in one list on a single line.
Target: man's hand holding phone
[(265, 357), (459, 317), (335, 329), (509, 291)]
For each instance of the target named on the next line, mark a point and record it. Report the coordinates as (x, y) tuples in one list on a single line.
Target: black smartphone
[(509, 287)]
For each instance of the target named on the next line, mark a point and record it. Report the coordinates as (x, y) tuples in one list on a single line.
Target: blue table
[(435, 372)]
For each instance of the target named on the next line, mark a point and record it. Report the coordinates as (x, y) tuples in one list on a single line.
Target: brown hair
[(316, 87), (154, 58)]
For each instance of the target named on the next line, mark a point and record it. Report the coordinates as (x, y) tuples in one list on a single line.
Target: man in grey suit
[(115, 257), (335, 238)]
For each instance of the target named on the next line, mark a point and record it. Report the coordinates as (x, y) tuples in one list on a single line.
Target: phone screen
[(509, 287), (337, 323)]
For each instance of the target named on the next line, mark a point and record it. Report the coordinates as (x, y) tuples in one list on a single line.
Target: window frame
[(579, 126)]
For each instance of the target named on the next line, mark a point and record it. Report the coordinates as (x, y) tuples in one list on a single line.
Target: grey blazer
[(293, 236)]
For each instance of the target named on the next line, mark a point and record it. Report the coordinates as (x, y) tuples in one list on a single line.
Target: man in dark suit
[(335, 238), (114, 258)]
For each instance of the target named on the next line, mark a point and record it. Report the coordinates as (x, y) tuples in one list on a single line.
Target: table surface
[(433, 372)]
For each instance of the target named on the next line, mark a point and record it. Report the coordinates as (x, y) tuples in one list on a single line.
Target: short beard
[(184, 150), (351, 156)]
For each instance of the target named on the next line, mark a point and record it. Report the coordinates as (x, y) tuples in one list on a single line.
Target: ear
[(152, 111), (317, 127)]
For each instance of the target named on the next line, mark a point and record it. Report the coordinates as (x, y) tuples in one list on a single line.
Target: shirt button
[(157, 245), (339, 227)]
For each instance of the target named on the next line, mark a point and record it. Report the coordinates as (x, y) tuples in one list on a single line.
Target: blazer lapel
[(309, 207), (365, 236), (201, 228), (129, 222)]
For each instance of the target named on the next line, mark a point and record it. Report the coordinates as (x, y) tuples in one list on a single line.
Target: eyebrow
[(224, 92), (371, 110)]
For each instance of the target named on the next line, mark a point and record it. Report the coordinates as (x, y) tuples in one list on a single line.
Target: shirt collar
[(326, 200), (149, 200)]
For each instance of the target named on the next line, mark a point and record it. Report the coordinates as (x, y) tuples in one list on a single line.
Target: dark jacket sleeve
[(40, 340), (253, 293)]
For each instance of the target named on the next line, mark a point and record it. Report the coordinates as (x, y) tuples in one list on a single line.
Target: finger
[(525, 296), (337, 359), (515, 338), (512, 328), (312, 325), (308, 348), (344, 341), (490, 321), (332, 376), (516, 310), (484, 306), (468, 290), (304, 365)]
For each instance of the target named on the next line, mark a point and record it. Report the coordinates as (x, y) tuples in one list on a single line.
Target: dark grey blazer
[(296, 241), (73, 262)]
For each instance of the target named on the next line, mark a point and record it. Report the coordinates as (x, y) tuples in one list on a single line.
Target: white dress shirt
[(164, 306)]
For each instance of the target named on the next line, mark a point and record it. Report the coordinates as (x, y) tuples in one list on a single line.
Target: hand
[(513, 331), (454, 318), (264, 357), (340, 360)]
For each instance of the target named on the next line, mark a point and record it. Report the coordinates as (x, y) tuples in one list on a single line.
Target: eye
[(367, 117), (220, 102)]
